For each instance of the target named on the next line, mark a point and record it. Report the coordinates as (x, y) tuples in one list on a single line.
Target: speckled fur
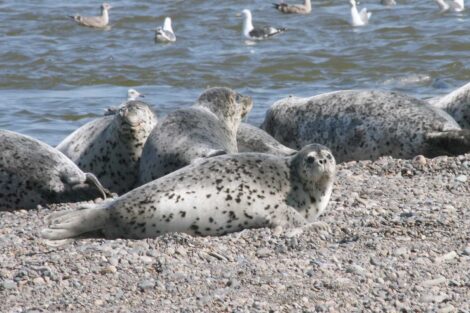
[(457, 104), (110, 147), (220, 195), (208, 128), (32, 173), (253, 139), (359, 125)]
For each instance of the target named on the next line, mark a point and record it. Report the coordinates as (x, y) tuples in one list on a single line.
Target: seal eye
[(310, 159)]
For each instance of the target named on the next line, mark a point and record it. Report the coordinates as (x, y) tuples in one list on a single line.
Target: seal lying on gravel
[(457, 104), (33, 173), (213, 197), (253, 139), (362, 125), (110, 146), (206, 129)]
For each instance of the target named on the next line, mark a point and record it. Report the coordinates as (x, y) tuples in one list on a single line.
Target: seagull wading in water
[(257, 33), (453, 6), (165, 33), (294, 8), (95, 21), (359, 18)]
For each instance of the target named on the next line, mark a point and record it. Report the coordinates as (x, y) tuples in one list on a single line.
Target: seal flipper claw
[(93, 181)]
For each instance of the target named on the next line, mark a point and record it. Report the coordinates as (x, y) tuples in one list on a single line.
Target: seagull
[(94, 21), (258, 33), (133, 94), (165, 33), (359, 18), (453, 6), (294, 8)]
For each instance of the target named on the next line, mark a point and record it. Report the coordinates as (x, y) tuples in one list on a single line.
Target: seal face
[(206, 129), (361, 125), (457, 104), (33, 173), (253, 139), (111, 146), (216, 196)]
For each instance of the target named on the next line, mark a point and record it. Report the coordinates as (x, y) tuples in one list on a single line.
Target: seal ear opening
[(454, 142)]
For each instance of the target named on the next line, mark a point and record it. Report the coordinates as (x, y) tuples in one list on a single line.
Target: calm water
[(56, 75)]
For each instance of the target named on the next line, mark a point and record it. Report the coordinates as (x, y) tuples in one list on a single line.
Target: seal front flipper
[(72, 224), (453, 142)]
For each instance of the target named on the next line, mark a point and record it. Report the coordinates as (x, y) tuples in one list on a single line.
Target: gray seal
[(457, 104), (32, 173), (253, 139), (111, 146), (364, 125), (206, 129), (217, 196)]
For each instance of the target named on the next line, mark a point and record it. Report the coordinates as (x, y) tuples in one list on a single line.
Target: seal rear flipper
[(453, 142), (65, 225), (92, 180)]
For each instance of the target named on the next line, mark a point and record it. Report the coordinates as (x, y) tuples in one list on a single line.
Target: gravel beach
[(399, 242)]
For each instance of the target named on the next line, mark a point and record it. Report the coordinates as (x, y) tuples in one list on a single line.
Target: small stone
[(466, 251), (147, 260), (263, 252), (419, 160), (447, 257), (8, 284), (39, 281), (434, 282), (109, 269), (400, 251), (146, 284), (461, 178), (354, 268)]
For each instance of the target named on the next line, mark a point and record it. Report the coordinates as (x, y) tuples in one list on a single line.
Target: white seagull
[(294, 8), (133, 94), (453, 5), (359, 18), (94, 21), (258, 33), (165, 33)]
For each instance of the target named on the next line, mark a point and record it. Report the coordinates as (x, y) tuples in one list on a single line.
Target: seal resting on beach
[(364, 125), (33, 173), (217, 196)]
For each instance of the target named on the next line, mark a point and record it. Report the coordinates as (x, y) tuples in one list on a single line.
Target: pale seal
[(457, 104), (253, 139), (206, 129), (361, 125), (111, 146), (33, 173), (217, 196)]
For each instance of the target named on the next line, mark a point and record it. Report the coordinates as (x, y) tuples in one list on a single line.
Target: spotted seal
[(33, 173), (358, 125), (217, 196), (110, 146), (457, 104), (206, 129), (253, 139)]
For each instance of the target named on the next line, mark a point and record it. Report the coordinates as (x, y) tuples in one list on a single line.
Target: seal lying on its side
[(219, 195), (253, 139), (33, 173), (457, 104), (206, 129), (111, 146), (361, 125)]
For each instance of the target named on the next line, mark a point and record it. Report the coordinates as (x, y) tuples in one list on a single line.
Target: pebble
[(461, 178), (8, 284), (263, 252), (434, 282), (146, 284), (447, 257), (466, 251)]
